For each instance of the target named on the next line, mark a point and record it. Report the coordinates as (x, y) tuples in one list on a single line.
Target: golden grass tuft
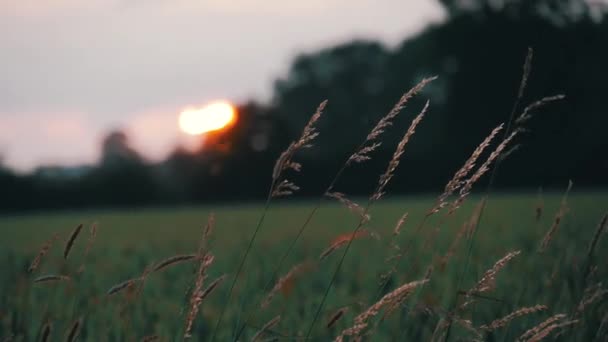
[(362, 320), (488, 280), (285, 162), (458, 180), (392, 165), (541, 326), (370, 144), (197, 293)]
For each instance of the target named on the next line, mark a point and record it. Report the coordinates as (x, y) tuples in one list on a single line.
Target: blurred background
[(139, 103)]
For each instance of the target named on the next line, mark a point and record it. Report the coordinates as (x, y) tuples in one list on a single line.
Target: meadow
[(129, 241), (446, 267)]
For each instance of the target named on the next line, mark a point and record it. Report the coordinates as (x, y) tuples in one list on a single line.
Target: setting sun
[(211, 117)]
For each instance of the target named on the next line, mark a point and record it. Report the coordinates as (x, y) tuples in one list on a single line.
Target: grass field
[(129, 241)]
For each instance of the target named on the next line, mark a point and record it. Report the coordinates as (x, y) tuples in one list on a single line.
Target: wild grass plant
[(455, 268)]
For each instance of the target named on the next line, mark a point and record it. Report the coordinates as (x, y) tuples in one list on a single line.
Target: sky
[(72, 70)]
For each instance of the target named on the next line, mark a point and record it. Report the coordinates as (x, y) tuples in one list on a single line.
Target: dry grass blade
[(399, 225), (395, 296), (540, 205), (70, 243), (42, 252), (366, 149), (541, 326), (341, 241), (526, 74), (466, 188), (351, 205), (212, 286), (590, 297), (487, 281), (50, 277), (121, 286), (74, 330), (549, 329), (207, 233), (525, 115), (457, 180), (499, 323), (392, 165), (197, 293), (336, 316), (601, 228), (46, 332), (173, 260), (90, 242), (150, 338), (563, 209), (284, 162), (466, 229), (265, 328), (286, 281)]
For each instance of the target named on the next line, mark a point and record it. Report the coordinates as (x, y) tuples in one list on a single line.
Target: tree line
[(477, 54)]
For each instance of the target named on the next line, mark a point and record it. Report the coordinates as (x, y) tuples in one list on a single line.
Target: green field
[(129, 241)]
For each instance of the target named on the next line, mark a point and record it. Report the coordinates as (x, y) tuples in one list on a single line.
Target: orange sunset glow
[(212, 117)]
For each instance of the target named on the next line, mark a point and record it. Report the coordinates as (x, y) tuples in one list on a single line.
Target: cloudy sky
[(71, 70)]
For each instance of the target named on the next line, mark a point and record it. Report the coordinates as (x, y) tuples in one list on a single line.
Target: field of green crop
[(564, 277)]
